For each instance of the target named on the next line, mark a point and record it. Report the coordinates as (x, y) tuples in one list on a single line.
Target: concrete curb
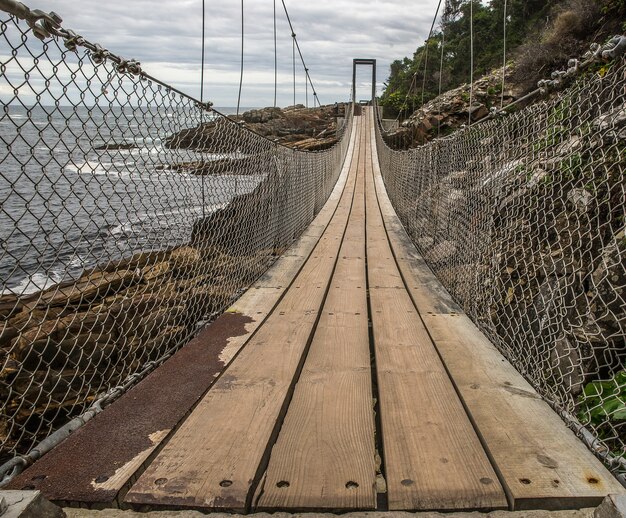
[(27, 504), (118, 513), (613, 506)]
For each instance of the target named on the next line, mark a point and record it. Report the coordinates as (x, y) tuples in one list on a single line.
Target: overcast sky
[(165, 37)]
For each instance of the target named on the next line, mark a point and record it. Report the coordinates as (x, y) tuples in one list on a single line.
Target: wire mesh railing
[(131, 215), (522, 218)]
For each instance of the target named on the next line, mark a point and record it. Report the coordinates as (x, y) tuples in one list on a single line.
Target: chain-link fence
[(523, 220), (131, 214)]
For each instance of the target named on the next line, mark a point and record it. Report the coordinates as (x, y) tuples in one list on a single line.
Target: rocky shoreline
[(307, 129), (62, 347)]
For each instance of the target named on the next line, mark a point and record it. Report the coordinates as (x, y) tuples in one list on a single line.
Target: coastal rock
[(478, 111), (580, 199), (89, 288), (289, 126), (263, 115), (112, 146), (9, 306), (608, 304), (441, 252)]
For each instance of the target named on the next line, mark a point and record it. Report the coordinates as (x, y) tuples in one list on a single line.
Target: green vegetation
[(541, 36), (603, 406), (488, 37)]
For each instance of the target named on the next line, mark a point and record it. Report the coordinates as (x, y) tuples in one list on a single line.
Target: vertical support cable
[(306, 87), (202, 99), (425, 70), (297, 46), (293, 59), (443, 44), (418, 67), (471, 101), (241, 73), (275, 58), (503, 58)]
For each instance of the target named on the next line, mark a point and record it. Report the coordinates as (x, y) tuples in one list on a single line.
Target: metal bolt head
[(55, 17), (40, 32)]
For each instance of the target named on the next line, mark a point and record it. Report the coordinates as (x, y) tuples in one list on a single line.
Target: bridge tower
[(355, 63)]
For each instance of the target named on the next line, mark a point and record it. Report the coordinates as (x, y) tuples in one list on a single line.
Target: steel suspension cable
[(241, 72), (275, 59), (425, 70), (202, 95), (443, 44), (419, 66), (503, 57), (471, 99), (293, 60), (297, 46)]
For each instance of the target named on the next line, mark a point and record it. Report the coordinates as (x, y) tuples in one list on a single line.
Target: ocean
[(66, 206)]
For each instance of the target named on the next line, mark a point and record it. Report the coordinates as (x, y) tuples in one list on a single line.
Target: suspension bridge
[(243, 327)]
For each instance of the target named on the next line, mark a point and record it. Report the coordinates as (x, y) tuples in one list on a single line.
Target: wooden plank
[(541, 462), (433, 458), (218, 470), (324, 457)]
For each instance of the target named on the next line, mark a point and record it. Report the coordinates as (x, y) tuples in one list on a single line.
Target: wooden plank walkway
[(356, 383)]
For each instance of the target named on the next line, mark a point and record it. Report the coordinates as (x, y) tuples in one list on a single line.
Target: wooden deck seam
[(382, 503), (284, 467), (262, 467), (481, 438), (405, 498)]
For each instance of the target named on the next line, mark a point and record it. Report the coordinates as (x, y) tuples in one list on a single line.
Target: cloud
[(166, 38)]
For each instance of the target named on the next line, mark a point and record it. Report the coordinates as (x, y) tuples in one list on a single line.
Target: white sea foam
[(124, 228), (33, 283), (118, 169)]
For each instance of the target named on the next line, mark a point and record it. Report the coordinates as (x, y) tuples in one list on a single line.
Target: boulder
[(608, 304), (441, 252), (89, 288)]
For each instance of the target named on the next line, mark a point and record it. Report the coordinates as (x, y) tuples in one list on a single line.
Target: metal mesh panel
[(124, 227), (522, 219)]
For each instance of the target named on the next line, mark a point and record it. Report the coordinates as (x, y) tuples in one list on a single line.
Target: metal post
[(356, 62)]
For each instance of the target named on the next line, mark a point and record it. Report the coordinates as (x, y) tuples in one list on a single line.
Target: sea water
[(65, 206)]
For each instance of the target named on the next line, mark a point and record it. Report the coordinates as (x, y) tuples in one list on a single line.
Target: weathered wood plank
[(218, 470), (433, 458), (324, 457), (542, 463)]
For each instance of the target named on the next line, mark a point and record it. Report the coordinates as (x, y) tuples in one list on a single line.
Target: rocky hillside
[(541, 37), (449, 111)]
